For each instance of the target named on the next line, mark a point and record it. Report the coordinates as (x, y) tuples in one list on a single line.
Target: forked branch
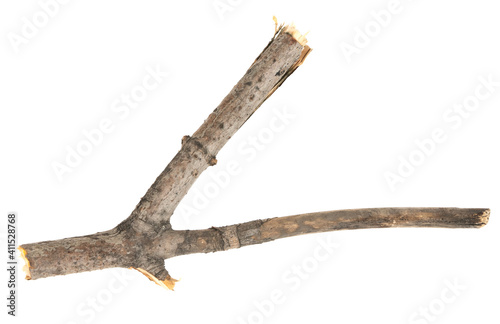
[(145, 239)]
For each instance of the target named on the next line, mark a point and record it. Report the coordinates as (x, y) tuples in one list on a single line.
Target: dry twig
[(145, 239)]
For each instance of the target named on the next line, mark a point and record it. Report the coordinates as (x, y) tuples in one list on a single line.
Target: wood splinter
[(145, 239)]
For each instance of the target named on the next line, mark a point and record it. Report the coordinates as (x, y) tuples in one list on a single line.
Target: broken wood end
[(290, 29), (26, 267), (168, 283), (483, 218)]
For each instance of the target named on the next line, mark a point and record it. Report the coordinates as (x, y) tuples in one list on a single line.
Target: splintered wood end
[(168, 283), (26, 267), (290, 29)]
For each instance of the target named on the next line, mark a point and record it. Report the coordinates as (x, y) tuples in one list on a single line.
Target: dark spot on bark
[(257, 88), (278, 73), (198, 144), (221, 125), (251, 97), (260, 79), (249, 83), (274, 60), (239, 108)]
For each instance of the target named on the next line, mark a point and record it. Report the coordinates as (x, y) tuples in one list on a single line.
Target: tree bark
[(145, 239), (260, 231)]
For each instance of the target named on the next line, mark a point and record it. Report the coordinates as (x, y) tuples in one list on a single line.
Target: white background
[(352, 122)]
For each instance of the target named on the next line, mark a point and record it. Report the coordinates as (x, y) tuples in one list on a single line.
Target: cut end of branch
[(301, 39), (290, 29), (168, 283), (483, 218), (26, 267)]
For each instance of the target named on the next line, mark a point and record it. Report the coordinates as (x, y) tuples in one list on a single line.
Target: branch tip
[(484, 217), (26, 267), (290, 29), (298, 36)]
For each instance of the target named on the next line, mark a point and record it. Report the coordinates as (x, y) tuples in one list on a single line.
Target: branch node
[(229, 236), (185, 138)]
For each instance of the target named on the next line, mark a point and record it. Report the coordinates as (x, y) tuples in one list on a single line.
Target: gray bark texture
[(145, 239)]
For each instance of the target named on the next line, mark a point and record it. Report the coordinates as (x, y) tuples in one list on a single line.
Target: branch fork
[(146, 238)]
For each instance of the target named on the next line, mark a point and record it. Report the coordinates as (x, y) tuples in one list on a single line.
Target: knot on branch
[(185, 138), (229, 237)]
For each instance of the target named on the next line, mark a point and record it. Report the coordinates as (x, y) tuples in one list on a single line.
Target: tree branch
[(280, 58), (145, 239), (130, 243), (260, 231)]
